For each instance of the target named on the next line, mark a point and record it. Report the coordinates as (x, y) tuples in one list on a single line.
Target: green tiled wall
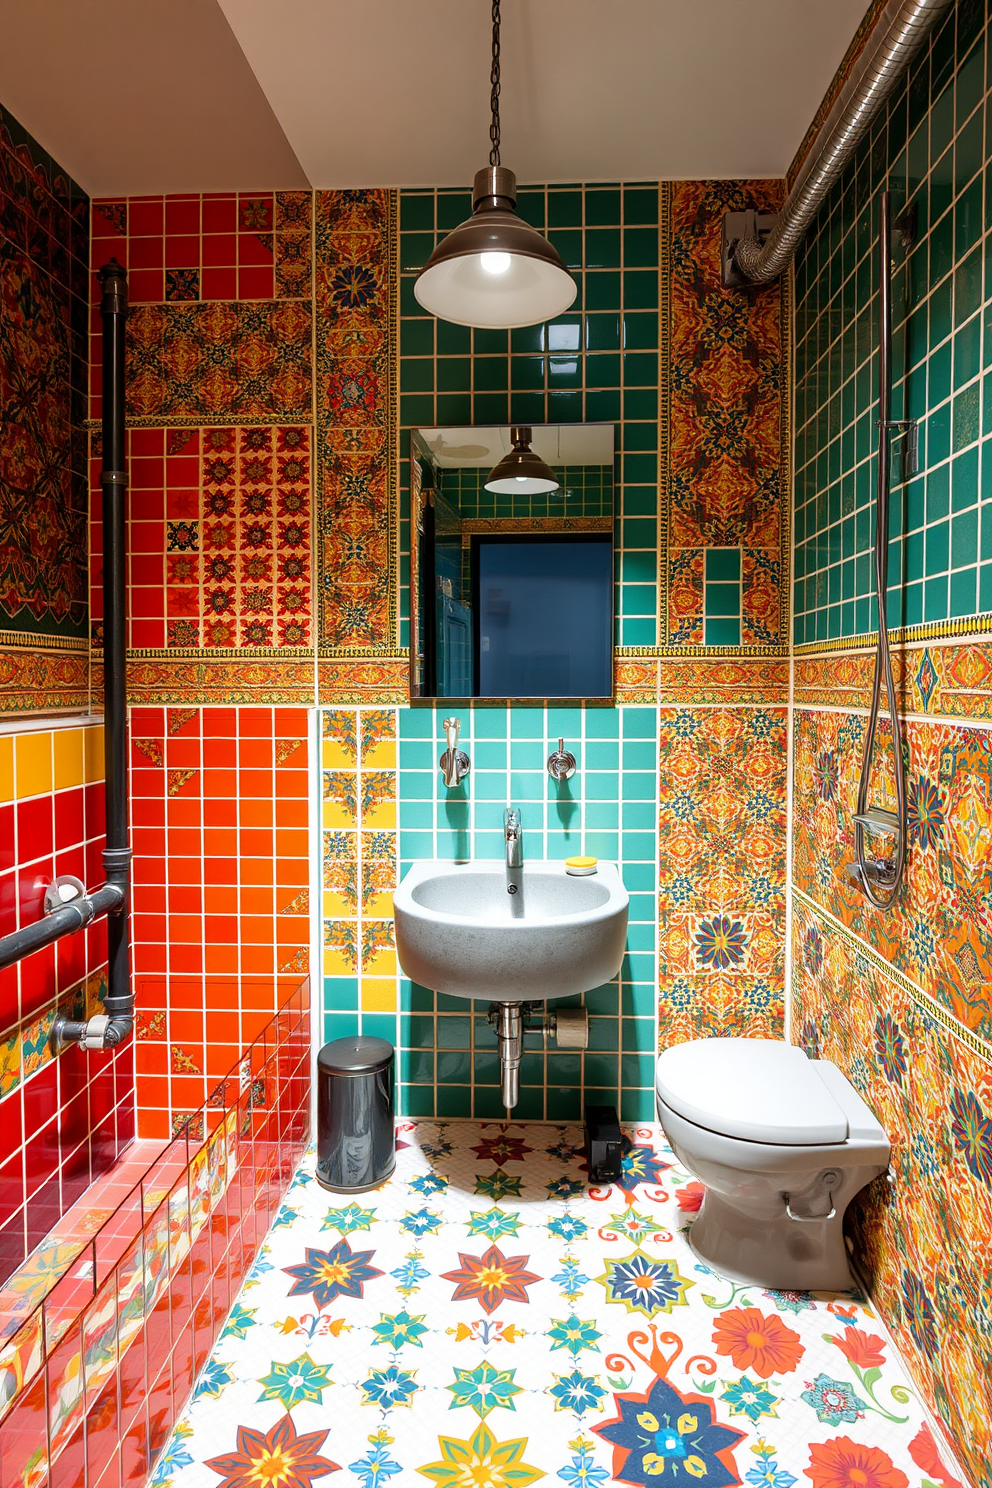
[(583, 491), (596, 363), (447, 1052), (934, 149)]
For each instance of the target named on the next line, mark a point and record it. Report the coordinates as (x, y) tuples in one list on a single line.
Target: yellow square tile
[(378, 995), (69, 765), (336, 814), (33, 764), (334, 755), (380, 962), (380, 905), (6, 767), (336, 963), (380, 814), (338, 906), (93, 753), (380, 756)]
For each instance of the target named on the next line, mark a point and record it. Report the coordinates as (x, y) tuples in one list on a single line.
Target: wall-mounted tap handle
[(454, 762), (561, 764)]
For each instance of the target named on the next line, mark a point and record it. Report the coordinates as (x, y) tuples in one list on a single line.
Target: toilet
[(781, 1144)]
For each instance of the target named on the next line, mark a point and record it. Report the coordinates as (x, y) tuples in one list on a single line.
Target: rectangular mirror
[(511, 589)]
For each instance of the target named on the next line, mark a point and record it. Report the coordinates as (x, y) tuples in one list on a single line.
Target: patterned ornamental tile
[(442, 1357)]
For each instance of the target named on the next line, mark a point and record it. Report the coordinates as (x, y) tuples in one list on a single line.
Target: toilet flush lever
[(828, 1181)]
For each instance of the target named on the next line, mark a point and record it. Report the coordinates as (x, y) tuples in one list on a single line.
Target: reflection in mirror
[(512, 588)]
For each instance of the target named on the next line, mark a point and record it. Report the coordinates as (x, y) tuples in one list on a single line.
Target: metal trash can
[(356, 1142)]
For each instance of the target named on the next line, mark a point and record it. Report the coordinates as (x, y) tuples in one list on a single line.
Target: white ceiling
[(171, 95)]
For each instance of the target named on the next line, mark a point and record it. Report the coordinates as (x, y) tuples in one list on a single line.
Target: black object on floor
[(356, 1139), (604, 1144)]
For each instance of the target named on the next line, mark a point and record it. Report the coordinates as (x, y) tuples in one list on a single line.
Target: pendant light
[(494, 270), (521, 472)]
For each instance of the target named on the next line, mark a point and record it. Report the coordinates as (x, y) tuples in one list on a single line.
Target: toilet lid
[(758, 1089)]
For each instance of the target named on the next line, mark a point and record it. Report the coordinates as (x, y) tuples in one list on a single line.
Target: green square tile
[(527, 408), (454, 375), (416, 1066), (380, 1025), (640, 205), (417, 211), (487, 1105), (640, 289), (415, 250), (640, 330), (640, 369), (722, 633), (564, 1105), (526, 373), (564, 407), (453, 340), (565, 371), (564, 209), (569, 245), (491, 373), (604, 1034), (723, 564), (454, 1032), (454, 1067), (602, 290), (417, 410), (490, 342), (639, 404), (721, 600), (636, 1070), (417, 1100), (416, 375), (490, 408), (453, 207), (638, 1105), (454, 1101), (417, 337), (486, 1068), (600, 1068), (640, 250), (602, 207)]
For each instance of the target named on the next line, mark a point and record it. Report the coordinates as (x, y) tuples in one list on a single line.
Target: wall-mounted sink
[(459, 930)]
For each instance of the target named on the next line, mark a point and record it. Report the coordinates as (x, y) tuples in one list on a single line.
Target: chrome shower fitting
[(454, 763), (569, 1026), (561, 764)]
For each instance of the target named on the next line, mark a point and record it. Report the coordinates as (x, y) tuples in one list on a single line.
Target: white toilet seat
[(765, 1092)]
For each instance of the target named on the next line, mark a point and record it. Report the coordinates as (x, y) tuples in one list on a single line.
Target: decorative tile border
[(162, 677), (724, 479), (43, 678), (665, 676), (356, 407), (953, 680)]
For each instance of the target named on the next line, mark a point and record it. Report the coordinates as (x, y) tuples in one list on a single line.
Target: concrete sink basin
[(460, 931)]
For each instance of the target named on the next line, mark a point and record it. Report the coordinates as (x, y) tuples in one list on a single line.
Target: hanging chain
[(494, 97)]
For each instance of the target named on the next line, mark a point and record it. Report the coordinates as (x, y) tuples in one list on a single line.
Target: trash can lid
[(355, 1056)]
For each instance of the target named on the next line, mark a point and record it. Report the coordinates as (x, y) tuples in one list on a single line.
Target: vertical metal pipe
[(117, 855)]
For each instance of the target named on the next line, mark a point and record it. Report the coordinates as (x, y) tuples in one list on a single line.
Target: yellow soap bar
[(581, 865)]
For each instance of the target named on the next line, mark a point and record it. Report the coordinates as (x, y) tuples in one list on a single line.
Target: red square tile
[(219, 284), (145, 215)]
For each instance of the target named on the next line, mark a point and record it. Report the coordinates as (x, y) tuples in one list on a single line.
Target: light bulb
[(495, 263)]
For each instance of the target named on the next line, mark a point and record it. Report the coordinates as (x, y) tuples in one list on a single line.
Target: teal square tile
[(454, 1067), (486, 1068), (638, 632), (487, 1105), (723, 564), (603, 1001), (600, 1068), (722, 600), (722, 632), (638, 1105), (416, 1067), (454, 1101), (564, 1105), (454, 1032), (339, 1025), (636, 1070), (417, 1100), (340, 994), (603, 331), (640, 289), (380, 1025), (640, 330), (530, 1106), (604, 1033), (963, 592)]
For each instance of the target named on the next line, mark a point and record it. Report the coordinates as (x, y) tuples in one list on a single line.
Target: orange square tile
[(255, 753), (153, 1125), (220, 811), (257, 870), (151, 1057), (186, 992), (258, 958), (291, 784), (220, 957), (291, 843), (255, 723), (219, 754), (257, 901), (220, 899), (254, 813), (292, 811), (184, 812), (188, 1091), (187, 957), (219, 784), (221, 930), (185, 929), (257, 929)]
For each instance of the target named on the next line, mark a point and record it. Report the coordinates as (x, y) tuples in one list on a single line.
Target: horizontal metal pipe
[(910, 29), (75, 915)]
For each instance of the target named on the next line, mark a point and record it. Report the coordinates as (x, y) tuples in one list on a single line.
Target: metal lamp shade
[(494, 270), (521, 472)]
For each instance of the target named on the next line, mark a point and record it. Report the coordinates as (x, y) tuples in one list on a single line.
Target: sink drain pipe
[(570, 1027)]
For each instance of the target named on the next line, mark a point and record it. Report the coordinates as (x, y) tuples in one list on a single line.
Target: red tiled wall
[(62, 1120), (221, 903), (93, 1378)]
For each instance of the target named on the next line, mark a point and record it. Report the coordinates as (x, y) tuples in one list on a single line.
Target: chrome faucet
[(511, 835), (454, 763)]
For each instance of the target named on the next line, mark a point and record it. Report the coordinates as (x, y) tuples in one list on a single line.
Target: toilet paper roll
[(572, 1028)]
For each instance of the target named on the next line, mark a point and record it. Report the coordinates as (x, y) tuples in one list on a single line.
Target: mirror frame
[(417, 696)]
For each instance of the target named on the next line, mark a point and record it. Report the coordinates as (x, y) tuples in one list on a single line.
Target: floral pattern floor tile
[(486, 1320)]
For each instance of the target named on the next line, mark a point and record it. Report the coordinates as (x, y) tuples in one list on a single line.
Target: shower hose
[(880, 878)]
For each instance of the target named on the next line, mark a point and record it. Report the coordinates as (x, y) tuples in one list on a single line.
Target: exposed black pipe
[(106, 1030)]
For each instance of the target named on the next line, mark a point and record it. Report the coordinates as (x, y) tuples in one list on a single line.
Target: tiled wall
[(44, 219), (900, 998), (221, 891), (100, 1347), (65, 1119)]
